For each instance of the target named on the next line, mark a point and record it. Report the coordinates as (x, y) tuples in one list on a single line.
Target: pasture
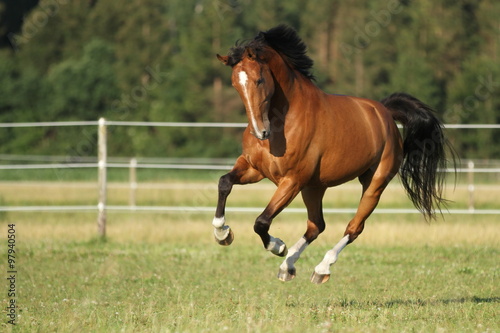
[(163, 272)]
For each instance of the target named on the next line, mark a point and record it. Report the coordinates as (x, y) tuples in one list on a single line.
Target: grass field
[(162, 272)]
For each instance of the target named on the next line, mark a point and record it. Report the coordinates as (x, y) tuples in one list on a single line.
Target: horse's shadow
[(422, 302)]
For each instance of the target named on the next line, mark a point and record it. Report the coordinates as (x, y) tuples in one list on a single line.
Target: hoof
[(319, 278), (286, 275), (226, 241), (283, 253), (277, 247)]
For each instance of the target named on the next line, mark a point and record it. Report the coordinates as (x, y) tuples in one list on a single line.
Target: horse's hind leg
[(242, 173), (373, 186), (312, 197)]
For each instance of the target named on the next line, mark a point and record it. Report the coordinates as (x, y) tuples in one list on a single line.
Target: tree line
[(154, 60)]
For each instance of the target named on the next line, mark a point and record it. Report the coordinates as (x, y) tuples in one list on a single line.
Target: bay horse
[(305, 140)]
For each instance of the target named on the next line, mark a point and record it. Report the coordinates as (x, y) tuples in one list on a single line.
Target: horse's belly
[(336, 171)]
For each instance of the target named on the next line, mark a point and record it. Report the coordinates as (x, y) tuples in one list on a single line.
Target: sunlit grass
[(194, 194), (163, 272), (138, 227)]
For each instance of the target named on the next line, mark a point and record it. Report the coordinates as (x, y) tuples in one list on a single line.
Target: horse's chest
[(272, 167), (274, 171)]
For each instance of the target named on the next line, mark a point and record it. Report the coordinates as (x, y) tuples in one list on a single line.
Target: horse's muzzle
[(263, 135)]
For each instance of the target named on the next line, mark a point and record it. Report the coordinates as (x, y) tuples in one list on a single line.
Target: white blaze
[(243, 79), (243, 82)]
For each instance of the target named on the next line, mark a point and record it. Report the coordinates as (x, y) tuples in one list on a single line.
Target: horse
[(305, 140)]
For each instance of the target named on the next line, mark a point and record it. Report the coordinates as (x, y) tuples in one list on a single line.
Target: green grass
[(163, 272), (147, 175), (204, 193), (114, 174)]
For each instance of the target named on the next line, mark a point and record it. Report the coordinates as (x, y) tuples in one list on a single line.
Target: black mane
[(282, 39)]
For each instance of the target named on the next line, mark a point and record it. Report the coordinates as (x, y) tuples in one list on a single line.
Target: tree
[(155, 60), (412, 74), (24, 94), (83, 88), (473, 98)]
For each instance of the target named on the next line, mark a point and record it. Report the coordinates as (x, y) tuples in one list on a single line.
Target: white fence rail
[(102, 164)]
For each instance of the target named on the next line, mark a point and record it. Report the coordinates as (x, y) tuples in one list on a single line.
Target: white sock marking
[(221, 230), (219, 222), (294, 254), (331, 256)]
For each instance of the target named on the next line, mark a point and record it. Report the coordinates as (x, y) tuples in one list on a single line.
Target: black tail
[(424, 160)]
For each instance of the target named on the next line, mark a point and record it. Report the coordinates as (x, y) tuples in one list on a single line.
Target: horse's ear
[(223, 59)]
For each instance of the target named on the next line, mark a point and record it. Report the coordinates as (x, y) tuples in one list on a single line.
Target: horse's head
[(254, 82)]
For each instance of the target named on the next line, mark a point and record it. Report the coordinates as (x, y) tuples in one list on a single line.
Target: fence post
[(470, 188), (102, 177), (133, 181)]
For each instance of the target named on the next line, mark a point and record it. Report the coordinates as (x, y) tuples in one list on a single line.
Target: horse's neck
[(284, 79), (292, 91)]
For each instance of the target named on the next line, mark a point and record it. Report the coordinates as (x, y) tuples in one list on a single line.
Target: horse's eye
[(259, 81)]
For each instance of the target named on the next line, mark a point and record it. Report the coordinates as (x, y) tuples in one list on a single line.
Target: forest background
[(154, 60)]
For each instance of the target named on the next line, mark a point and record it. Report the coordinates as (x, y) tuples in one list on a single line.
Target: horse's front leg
[(242, 173), (286, 192)]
